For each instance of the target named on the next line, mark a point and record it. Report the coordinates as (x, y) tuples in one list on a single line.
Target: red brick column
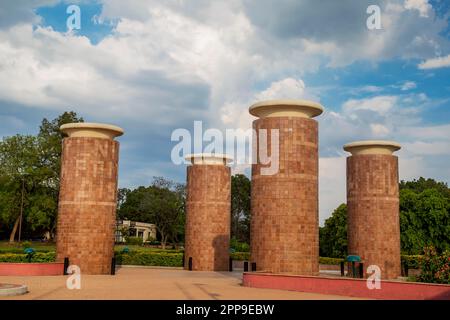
[(208, 209), (284, 221), (373, 205), (87, 199)]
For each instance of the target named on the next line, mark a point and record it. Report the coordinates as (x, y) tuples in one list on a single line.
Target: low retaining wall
[(31, 269), (390, 290)]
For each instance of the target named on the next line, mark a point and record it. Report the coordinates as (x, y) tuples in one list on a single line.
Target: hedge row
[(149, 258), (326, 260), (240, 256), (21, 257), (171, 258), (413, 261)]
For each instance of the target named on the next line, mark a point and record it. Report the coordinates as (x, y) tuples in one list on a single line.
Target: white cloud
[(408, 85), (422, 6), (288, 88), (332, 185), (379, 130), (379, 104), (434, 63)]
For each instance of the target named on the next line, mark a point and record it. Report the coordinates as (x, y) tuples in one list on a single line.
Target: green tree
[(240, 207), (162, 203), (424, 220), (333, 235), (50, 139), (29, 171), (423, 184)]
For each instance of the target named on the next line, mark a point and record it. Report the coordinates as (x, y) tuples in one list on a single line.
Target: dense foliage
[(333, 236), (240, 207), (435, 267), (29, 179), (162, 203), (424, 220), (150, 258), (23, 257)]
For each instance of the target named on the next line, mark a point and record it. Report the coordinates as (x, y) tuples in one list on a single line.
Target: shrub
[(240, 256), (150, 258), (26, 244), (239, 246), (435, 268), (133, 240), (412, 261), (22, 257), (326, 260)]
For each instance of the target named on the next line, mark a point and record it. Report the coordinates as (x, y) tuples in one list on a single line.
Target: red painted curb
[(31, 269), (390, 290)]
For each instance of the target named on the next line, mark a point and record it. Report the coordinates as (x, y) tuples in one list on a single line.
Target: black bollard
[(245, 266), (342, 268), (66, 265), (190, 263), (253, 266), (230, 265), (361, 270), (113, 266)]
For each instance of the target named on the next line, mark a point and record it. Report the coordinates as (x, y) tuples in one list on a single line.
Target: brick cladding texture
[(208, 207), (87, 203), (284, 224), (373, 212)]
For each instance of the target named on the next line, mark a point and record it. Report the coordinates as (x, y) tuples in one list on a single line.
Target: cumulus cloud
[(422, 6), (434, 63)]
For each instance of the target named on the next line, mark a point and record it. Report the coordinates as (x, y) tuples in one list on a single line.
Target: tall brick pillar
[(208, 209), (373, 205), (87, 199), (284, 206)]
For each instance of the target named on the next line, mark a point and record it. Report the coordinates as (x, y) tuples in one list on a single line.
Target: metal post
[(183, 261), (342, 268), (361, 270), (253, 266), (245, 266), (190, 263), (66, 265), (353, 269), (113, 266), (230, 265), (405, 268)]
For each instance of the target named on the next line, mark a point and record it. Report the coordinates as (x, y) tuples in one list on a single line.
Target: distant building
[(145, 231)]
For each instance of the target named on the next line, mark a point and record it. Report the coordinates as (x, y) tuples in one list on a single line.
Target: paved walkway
[(153, 283)]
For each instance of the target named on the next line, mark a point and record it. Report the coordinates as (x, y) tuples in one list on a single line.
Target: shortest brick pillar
[(373, 218), (87, 197), (208, 209)]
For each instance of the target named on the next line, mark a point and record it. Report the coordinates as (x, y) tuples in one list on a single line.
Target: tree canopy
[(424, 220), (240, 207), (29, 171), (162, 203)]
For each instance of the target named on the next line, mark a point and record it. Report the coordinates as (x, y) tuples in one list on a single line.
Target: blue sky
[(152, 67)]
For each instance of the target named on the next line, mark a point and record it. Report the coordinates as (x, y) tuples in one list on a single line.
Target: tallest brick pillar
[(87, 199), (373, 220), (284, 205)]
